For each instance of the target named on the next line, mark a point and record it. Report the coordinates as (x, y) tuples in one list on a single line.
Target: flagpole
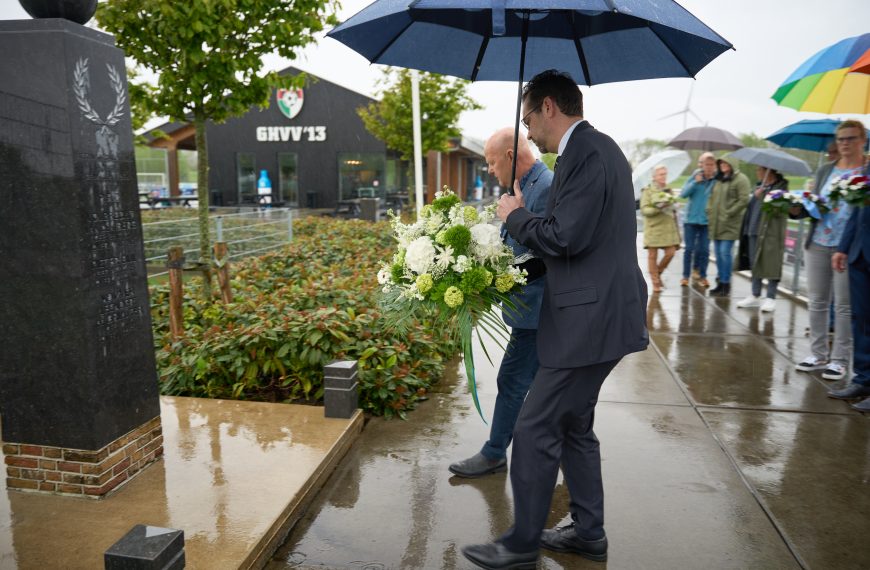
[(418, 141)]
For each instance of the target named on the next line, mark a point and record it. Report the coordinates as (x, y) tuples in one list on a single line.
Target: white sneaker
[(834, 371), (811, 363), (749, 302), (768, 306)]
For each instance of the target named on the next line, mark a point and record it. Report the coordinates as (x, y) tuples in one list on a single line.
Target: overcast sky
[(771, 37)]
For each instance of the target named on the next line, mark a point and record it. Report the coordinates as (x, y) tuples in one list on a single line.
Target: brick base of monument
[(93, 474)]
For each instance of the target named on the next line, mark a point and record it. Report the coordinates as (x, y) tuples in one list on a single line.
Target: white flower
[(462, 264), (488, 214), (420, 255), (433, 222), (444, 257), (487, 241), (384, 276)]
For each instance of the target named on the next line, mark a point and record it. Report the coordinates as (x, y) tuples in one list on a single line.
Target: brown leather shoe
[(704, 283), (684, 282)]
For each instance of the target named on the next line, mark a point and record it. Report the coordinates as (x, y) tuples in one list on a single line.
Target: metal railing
[(245, 233)]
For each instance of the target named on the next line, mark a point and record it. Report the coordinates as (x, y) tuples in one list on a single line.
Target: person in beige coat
[(660, 229)]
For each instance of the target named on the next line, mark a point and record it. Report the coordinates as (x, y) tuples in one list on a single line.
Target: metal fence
[(245, 233)]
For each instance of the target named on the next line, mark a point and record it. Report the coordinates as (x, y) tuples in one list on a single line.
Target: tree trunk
[(202, 197)]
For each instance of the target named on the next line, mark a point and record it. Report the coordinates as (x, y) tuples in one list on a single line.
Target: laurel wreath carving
[(81, 84)]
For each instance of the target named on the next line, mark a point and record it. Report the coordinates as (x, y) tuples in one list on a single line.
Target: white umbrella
[(674, 160)]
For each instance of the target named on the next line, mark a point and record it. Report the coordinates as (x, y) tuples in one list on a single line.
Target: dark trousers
[(555, 426), (697, 252), (859, 294), (515, 375)]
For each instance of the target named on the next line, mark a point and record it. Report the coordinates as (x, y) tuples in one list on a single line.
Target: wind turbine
[(685, 111)]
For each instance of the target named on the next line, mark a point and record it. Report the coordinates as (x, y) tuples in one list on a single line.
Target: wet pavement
[(231, 476), (716, 454)]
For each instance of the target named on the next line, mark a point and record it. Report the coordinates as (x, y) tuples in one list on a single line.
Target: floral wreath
[(81, 82)]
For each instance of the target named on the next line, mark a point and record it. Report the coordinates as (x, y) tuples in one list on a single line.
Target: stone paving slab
[(742, 371), (813, 473)]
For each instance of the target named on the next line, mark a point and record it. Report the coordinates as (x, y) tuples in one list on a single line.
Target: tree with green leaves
[(639, 150), (207, 57), (442, 101)]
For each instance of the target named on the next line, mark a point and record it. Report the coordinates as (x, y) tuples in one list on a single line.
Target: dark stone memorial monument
[(78, 383)]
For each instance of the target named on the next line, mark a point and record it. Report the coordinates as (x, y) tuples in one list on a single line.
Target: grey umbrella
[(772, 158), (706, 138)]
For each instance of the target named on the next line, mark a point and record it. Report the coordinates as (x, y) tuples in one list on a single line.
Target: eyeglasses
[(847, 139), (525, 119)]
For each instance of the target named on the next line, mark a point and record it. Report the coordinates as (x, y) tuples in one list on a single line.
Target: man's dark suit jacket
[(594, 307), (856, 235)]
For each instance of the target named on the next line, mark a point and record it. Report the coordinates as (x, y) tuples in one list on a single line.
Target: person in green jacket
[(765, 233), (725, 208), (660, 230)]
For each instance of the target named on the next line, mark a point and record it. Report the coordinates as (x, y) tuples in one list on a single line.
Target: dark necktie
[(556, 164)]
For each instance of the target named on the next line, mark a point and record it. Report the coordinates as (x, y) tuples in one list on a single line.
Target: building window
[(152, 171), (360, 174), (288, 178), (246, 176)]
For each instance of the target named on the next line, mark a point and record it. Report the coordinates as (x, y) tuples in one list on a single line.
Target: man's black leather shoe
[(494, 556), (478, 466), (565, 539)]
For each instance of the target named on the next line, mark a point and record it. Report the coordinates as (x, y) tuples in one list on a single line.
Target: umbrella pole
[(525, 38)]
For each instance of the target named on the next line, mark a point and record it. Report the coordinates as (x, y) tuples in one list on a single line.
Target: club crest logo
[(290, 101)]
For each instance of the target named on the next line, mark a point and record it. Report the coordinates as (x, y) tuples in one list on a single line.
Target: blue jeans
[(697, 247), (859, 294), (515, 375), (724, 259)]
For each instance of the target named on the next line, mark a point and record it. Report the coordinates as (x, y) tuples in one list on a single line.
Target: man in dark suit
[(520, 362), (593, 313), (854, 248)]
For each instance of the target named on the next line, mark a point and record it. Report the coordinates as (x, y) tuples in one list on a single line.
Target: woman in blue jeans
[(725, 209), (697, 190)]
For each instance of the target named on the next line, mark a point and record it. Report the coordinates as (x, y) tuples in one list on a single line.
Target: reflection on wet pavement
[(813, 472), (716, 454)]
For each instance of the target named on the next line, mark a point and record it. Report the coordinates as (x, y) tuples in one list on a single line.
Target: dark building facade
[(315, 151)]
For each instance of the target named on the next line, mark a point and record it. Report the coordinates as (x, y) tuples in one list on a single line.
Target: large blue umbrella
[(809, 134), (595, 41)]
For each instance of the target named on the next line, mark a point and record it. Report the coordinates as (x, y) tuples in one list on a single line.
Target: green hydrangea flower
[(453, 297), (424, 283), (475, 280), (470, 214), (458, 237), (426, 210), (504, 283), (441, 237)]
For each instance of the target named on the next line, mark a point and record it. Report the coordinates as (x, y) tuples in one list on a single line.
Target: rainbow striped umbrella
[(824, 84), (862, 65)]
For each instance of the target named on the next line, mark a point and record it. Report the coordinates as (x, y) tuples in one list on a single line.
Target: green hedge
[(294, 311)]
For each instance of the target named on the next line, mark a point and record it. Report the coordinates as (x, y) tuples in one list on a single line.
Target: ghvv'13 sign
[(295, 134)]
